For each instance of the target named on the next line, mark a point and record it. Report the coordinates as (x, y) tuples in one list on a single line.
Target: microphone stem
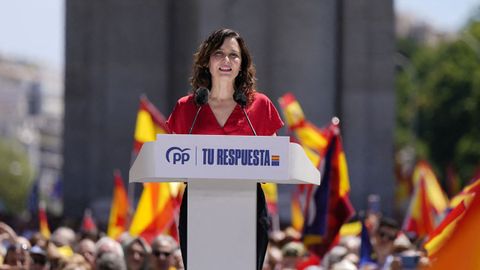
[(194, 119), (249, 123)]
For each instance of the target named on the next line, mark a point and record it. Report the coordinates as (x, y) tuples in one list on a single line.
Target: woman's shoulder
[(188, 99), (260, 97), (268, 120)]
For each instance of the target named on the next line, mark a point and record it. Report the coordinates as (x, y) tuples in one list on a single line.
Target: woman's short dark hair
[(201, 77)]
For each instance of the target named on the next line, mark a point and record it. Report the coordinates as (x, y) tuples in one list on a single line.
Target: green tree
[(438, 101), (15, 175)]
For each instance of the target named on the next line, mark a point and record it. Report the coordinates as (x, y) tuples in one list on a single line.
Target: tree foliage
[(15, 176), (438, 101)]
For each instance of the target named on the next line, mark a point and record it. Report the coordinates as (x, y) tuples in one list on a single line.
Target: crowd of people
[(68, 250), (390, 248)]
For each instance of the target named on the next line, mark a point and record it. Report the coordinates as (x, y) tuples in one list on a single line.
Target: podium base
[(227, 238)]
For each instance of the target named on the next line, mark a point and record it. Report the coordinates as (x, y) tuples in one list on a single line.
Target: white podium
[(222, 172)]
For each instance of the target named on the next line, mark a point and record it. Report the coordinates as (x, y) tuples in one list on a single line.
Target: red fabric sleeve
[(182, 115), (264, 116)]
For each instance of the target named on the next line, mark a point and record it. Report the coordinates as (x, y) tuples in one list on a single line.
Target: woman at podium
[(224, 101)]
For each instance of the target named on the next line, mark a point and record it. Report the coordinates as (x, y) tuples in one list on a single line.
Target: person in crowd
[(17, 256), (108, 245), (292, 253), (177, 259), (86, 248), (161, 257), (76, 262), (224, 67), (136, 254), (334, 255), (110, 261), (64, 239), (383, 239), (37, 239), (39, 260), (273, 258)]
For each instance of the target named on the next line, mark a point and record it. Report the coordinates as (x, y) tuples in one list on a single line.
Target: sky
[(34, 30), (447, 15)]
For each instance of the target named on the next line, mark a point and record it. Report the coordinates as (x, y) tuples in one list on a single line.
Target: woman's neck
[(222, 90)]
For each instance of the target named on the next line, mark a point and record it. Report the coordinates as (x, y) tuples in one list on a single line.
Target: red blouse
[(262, 113)]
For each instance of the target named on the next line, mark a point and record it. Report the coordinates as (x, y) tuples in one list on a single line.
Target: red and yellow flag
[(296, 208), (441, 235), (271, 196), (444, 230), (118, 220), (463, 246), (313, 139), (150, 122), (42, 221), (467, 191), (155, 211), (428, 201), (327, 206), (158, 203)]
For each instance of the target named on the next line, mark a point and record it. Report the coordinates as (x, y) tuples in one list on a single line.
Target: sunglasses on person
[(157, 253), (386, 235)]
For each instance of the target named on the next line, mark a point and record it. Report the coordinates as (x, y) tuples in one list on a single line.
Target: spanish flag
[(296, 209), (118, 220), (271, 197), (313, 139), (467, 191), (428, 201), (158, 205), (463, 247), (328, 205), (155, 211), (460, 203), (42, 220), (150, 122)]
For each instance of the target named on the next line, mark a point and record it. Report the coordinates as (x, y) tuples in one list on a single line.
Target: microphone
[(241, 100), (201, 98)]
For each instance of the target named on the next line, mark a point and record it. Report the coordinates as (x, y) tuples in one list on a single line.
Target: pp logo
[(176, 154)]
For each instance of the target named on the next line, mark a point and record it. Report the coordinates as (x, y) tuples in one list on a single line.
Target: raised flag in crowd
[(150, 122), (43, 221), (327, 206), (296, 209), (443, 232), (88, 223), (119, 209), (462, 248), (427, 203), (158, 204), (155, 211)]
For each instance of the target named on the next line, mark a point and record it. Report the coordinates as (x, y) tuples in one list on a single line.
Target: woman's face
[(135, 256), (225, 62)]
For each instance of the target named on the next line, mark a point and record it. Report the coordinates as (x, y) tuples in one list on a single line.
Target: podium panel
[(222, 172), (221, 230)]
